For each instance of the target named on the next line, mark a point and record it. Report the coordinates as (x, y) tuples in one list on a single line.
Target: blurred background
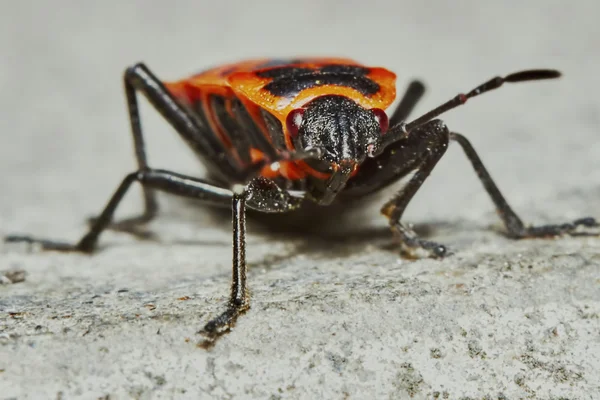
[(64, 135)]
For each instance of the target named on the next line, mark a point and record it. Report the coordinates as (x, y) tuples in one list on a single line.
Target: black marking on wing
[(226, 167), (239, 140), (275, 130), (255, 134), (289, 81)]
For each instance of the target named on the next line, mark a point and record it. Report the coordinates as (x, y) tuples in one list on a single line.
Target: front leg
[(261, 195), (420, 153), (417, 153)]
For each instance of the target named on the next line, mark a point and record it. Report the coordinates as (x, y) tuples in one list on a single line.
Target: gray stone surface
[(333, 315)]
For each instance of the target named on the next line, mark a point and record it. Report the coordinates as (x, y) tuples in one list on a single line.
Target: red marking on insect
[(382, 118), (293, 122)]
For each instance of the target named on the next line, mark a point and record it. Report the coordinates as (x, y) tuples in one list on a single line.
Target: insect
[(277, 134)]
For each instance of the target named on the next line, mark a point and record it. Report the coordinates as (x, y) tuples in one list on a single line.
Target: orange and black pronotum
[(277, 134)]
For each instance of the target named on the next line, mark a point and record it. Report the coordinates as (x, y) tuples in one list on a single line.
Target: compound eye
[(382, 119), (294, 121)]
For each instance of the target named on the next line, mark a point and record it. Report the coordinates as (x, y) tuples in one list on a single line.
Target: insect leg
[(515, 227), (411, 97), (419, 154), (150, 204), (139, 78), (260, 194), (166, 181), (415, 154)]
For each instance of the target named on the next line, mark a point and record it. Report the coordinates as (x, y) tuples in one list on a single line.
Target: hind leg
[(514, 225)]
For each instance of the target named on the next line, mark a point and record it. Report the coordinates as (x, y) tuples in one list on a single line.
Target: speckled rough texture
[(333, 315)]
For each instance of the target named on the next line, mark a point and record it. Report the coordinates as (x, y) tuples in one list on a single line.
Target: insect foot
[(415, 247), (221, 324), (575, 228)]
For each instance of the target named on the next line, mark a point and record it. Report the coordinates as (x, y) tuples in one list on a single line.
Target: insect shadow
[(315, 231)]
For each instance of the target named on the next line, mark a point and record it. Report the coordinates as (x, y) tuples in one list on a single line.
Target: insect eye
[(382, 119), (293, 121)]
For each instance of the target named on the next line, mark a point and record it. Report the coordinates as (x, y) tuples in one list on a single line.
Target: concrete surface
[(332, 316)]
